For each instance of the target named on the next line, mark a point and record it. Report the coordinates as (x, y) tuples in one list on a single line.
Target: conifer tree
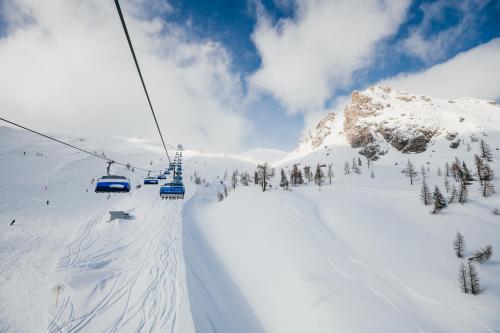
[(466, 173), (478, 161), (425, 194), (487, 187), (372, 175), (447, 185), (475, 288), (264, 174), (284, 180), (483, 254), (234, 179), (453, 195), (439, 202), (447, 169), (346, 168), (459, 245), (463, 278), (330, 174), (485, 151), (439, 172), (359, 162), (410, 172), (319, 176)]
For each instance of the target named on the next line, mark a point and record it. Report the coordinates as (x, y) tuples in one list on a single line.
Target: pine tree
[(447, 169), (479, 168), (475, 288), (439, 172), (359, 162), (346, 168), (319, 176), (483, 254), (330, 174), (425, 194), (447, 185), (308, 173), (487, 173), (439, 202), (463, 191), (234, 179), (256, 178), (300, 178), (466, 173), (453, 195), (410, 172), (354, 165), (485, 151), (462, 278), (459, 245), (294, 175), (368, 162), (264, 174), (284, 180), (220, 196), (356, 169), (423, 172)]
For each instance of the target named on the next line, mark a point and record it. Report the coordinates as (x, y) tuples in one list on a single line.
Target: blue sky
[(235, 74), (232, 23)]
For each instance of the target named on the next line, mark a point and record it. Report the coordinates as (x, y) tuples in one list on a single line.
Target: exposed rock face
[(365, 118), (323, 129)]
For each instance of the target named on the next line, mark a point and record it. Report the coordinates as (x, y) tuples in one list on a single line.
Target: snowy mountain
[(381, 118), (363, 254)]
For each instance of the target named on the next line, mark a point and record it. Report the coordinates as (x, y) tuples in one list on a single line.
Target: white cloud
[(306, 59), (65, 67), (431, 46), (473, 73)]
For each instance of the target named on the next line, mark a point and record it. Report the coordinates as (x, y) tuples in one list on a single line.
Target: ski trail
[(124, 276)]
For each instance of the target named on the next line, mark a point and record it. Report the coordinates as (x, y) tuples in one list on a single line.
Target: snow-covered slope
[(361, 255)]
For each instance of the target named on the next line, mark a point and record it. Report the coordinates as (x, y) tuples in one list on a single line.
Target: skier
[(48, 202)]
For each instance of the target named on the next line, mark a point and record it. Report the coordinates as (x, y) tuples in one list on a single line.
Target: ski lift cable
[(75, 147), (122, 19)]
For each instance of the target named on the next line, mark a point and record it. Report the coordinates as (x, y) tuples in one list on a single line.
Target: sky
[(233, 75)]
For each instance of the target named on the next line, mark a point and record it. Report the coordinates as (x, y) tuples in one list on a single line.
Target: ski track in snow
[(136, 306)]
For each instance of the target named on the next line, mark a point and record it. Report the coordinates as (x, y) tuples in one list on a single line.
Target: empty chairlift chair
[(112, 183), (150, 181), (173, 190)]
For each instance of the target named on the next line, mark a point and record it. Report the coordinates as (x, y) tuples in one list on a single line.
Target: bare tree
[(483, 254), (485, 151), (487, 174), (462, 278), (459, 245), (264, 174), (475, 288), (425, 194), (330, 174), (410, 172), (319, 175)]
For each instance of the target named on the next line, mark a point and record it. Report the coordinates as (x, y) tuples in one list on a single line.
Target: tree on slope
[(463, 278), (410, 172), (459, 245), (453, 195), (425, 194), (475, 287), (479, 163), (307, 173), (485, 151), (264, 174), (319, 175), (234, 179), (284, 180), (439, 202), (483, 255), (487, 174), (346, 168), (330, 174)]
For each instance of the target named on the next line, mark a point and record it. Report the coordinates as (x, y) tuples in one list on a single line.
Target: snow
[(362, 255)]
